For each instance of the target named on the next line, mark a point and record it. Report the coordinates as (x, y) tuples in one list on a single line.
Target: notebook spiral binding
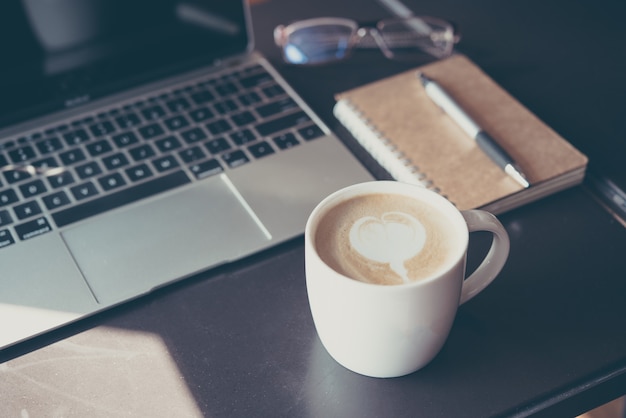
[(380, 148)]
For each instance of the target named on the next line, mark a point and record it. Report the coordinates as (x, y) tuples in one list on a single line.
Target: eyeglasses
[(327, 39)]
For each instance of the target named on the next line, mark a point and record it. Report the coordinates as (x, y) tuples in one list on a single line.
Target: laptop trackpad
[(130, 252)]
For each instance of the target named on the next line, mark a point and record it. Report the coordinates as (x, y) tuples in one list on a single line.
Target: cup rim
[(391, 187)]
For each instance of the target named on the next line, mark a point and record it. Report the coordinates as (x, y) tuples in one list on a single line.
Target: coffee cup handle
[(479, 220)]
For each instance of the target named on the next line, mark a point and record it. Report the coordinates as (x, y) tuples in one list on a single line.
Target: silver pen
[(485, 142)]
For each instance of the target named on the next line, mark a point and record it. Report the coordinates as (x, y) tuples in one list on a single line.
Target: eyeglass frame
[(360, 31)]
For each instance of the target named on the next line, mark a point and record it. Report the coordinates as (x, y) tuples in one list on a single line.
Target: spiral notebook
[(416, 142)]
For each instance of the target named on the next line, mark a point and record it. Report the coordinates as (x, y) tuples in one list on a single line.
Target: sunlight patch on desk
[(101, 372)]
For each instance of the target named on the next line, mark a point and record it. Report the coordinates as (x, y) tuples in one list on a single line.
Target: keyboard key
[(61, 179), (76, 137), (193, 135), (141, 152), (249, 98), (6, 238), (83, 191), (311, 132), (27, 209), (261, 149), (4, 146), (215, 146), (206, 169), (119, 198), (282, 123), (153, 112), (128, 120), (33, 188), (33, 228), (226, 89), (22, 154), (243, 118), (273, 90), (98, 148), (219, 127), (165, 163), (177, 122), (178, 105), (88, 170), (243, 137), (235, 158), (45, 164), (125, 139), (111, 181), (5, 218), (286, 140), (151, 131), (7, 197), (56, 200), (192, 154), (279, 106), (115, 161), (226, 106), (168, 143), (49, 145), (201, 114), (102, 128), (138, 172), (202, 96), (72, 156), (3, 160), (13, 176)]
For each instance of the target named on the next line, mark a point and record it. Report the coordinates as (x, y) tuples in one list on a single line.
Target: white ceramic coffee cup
[(394, 330)]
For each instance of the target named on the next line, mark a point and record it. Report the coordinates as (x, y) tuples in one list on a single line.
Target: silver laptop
[(142, 142)]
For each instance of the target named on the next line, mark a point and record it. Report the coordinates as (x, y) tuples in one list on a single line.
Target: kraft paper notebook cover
[(417, 142)]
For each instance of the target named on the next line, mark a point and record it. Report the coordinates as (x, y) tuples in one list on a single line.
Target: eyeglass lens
[(403, 39), (318, 44)]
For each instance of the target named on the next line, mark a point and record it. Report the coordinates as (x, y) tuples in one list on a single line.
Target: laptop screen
[(57, 54)]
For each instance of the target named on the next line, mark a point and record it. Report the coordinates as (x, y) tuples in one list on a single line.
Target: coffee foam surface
[(385, 239)]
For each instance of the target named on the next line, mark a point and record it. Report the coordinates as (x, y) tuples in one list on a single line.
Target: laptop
[(143, 142)]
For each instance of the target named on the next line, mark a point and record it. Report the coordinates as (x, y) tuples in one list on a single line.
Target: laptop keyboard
[(66, 173)]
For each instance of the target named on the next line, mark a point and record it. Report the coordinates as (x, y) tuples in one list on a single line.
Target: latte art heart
[(385, 239), (392, 239)]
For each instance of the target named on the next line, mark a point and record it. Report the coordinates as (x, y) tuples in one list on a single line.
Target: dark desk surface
[(546, 338)]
